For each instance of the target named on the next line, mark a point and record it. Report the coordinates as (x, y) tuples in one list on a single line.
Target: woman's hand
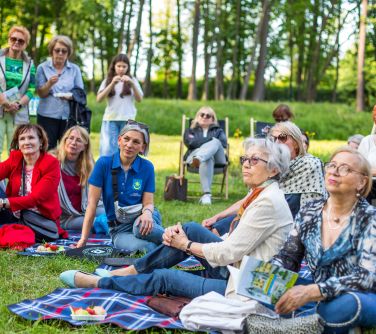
[(296, 297), (146, 222), (178, 239), (126, 78), (52, 80), (209, 222), (81, 243), (116, 79)]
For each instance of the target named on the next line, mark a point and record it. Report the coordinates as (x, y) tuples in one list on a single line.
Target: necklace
[(337, 221)]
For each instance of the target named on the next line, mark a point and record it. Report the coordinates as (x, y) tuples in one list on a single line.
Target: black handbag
[(175, 188), (44, 228)]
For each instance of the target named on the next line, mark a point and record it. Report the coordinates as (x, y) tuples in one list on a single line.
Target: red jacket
[(44, 184)]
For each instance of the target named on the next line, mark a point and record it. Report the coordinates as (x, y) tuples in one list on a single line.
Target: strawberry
[(90, 311), (54, 248), (47, 245)]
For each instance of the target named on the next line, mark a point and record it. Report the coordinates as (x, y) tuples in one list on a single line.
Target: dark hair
[(282, 113), (111, 73), (305, 135), (28, 127)]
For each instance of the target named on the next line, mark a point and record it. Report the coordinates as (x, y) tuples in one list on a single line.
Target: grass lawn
[(27, 278)]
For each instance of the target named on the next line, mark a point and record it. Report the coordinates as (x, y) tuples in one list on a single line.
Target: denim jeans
[(153, 278), (223, 225), (128, 236), (209, 154), (109, 137)]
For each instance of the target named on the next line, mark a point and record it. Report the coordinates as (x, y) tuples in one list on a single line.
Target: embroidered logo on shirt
[(137, 183)]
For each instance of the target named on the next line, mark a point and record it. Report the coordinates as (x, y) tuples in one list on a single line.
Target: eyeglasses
[(207, 116), (75, 139), (62, 51), (251, 160), (341, 170), (141, 125), (282, 138), (20, 41)]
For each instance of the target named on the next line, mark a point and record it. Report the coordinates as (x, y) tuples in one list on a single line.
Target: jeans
[(153, 278), (128, 236), (6, 130), (223, 225), (109, 137), (209, 154)]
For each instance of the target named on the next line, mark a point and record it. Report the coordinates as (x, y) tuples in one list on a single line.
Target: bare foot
[(131, 270), (82, 280)]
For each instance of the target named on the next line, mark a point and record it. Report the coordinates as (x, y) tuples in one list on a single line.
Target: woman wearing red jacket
[(41, 177)]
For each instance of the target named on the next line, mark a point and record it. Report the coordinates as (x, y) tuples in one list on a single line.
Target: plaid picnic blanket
[(124, 310)]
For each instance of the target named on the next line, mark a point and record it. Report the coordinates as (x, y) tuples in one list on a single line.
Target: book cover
[(263, 281)]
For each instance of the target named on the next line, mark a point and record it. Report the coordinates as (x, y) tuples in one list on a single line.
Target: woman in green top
[(17, 83)]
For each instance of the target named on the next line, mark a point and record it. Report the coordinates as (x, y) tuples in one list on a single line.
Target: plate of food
[(91, 313), (67, 95), (49, 248)]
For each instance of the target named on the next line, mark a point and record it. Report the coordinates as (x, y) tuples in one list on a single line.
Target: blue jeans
[(223, 225), (153, 278), (109, 137), (128, 236)]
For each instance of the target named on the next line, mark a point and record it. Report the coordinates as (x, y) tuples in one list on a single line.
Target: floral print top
[(348, 265)]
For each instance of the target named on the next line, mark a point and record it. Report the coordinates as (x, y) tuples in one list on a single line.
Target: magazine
[(12, 94), (262, 280)]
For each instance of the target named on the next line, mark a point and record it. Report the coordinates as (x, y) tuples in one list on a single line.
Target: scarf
[(252, 196)]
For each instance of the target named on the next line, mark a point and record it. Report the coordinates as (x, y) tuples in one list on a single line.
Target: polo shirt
[(131, 185), (70, 77)]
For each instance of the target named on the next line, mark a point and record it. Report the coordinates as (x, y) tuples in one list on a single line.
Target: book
[(12, 94), (262, 280)]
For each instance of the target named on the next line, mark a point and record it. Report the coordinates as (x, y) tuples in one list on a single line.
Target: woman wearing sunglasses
[(337, 238), (56, 78), (260, 228), (206, 141), (17, 83), (126, 183)]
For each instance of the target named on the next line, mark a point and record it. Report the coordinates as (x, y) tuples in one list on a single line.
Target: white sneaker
[(205, 199)]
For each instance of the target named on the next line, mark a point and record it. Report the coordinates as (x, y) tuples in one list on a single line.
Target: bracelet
[(147, 209), (188, 249)]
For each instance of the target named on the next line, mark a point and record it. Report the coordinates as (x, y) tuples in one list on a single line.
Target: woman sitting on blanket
[(337, 238), (303, 181), (76, 164), (126, 182), (33, 178), (259, 230)]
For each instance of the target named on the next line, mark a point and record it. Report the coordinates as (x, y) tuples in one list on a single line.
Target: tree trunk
[(207, 52), (218, 89), (259, 89), (41, 44), (121, 30), (136, 36), (147, 81), (179, 51), (301, 56), (34, 32), (361, 53), (244, 91), (128, 34), (192, 89)]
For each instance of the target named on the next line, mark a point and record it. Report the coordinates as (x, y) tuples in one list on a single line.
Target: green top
[(13, 75)]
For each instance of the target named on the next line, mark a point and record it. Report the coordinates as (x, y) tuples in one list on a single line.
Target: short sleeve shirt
[(139, 179)]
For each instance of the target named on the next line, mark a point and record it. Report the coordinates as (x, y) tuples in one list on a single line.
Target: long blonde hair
[(208, 110), (85, 161)]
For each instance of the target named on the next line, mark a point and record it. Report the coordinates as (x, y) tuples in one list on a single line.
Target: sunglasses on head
[(20, 41), (282, 138), (62, 51), (207, 116), (141, 125)]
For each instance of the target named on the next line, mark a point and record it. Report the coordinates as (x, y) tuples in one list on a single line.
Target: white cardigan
[(261, 232)]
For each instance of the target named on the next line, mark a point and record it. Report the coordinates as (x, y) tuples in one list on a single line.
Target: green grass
[(325, 120), (28, 278)]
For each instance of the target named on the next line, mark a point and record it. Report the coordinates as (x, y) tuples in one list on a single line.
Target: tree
[(192, 89), (147, 81)]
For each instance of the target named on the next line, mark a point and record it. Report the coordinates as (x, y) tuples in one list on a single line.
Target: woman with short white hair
[(258, 230)]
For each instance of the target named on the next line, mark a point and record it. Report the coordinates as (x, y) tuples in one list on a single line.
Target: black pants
[(54, 128)]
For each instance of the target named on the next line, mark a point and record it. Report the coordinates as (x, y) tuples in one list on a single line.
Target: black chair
[(259, 129), (218, 169)]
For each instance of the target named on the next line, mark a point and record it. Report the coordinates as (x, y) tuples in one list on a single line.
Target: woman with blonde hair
[(76, 163), (206, 141)]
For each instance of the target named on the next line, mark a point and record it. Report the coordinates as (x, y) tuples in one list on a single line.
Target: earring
[(357, 193)]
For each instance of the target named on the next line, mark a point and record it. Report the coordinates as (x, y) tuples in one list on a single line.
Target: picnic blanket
[(124, 310)]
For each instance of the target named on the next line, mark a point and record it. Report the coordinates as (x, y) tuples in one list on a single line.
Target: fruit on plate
[(91, 310), (46, 247)]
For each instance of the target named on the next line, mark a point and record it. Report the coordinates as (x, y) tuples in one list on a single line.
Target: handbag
[(168, 305), (44, 228), (175, 188)]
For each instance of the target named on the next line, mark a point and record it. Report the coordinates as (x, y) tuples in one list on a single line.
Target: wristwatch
[(188, 249)]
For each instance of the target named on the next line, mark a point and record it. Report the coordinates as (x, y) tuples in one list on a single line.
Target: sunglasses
[(62, 51), (282, 138), (14, 40), (141, 125), (207, 116), (253, 161)]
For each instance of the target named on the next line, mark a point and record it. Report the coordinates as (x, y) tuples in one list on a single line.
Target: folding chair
[(259, 129), (218, 169)]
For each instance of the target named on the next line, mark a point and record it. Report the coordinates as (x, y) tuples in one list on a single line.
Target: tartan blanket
[(124, 310)]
